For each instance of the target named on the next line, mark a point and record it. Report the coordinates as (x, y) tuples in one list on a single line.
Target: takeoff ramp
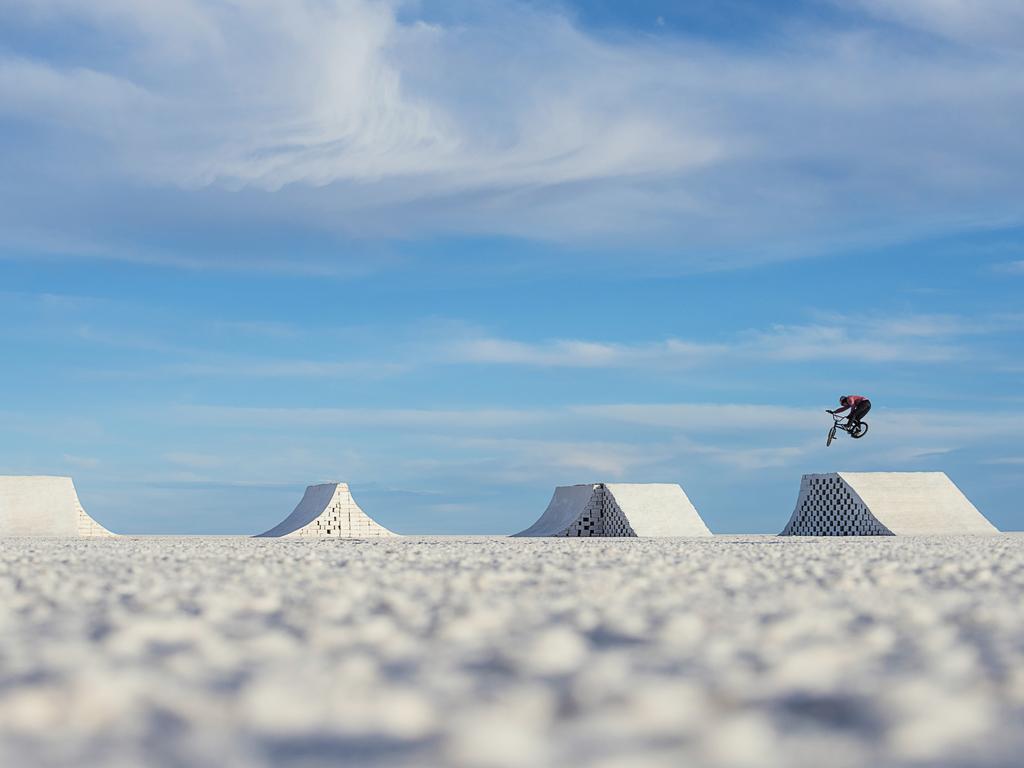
[(883, 504), (44, 506), (619, 509), (328, 511)]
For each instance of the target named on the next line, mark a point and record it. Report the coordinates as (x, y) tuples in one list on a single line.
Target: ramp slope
[(328, 511), (569, 504), (44, 506), (883, 504), (619, 509)]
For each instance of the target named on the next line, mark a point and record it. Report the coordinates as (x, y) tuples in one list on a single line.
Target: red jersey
[(851, 400)]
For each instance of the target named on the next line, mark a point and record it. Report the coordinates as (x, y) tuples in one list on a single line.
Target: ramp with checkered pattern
[(883, 504)]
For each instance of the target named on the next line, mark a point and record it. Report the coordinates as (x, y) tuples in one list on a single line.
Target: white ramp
[(328, 511), (44, 506), (570, 504), (883, 504), (619, 509)]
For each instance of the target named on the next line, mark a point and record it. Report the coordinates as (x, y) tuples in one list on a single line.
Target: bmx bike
[(856, 430)]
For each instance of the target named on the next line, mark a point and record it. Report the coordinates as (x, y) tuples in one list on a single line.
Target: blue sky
[(459, 253)]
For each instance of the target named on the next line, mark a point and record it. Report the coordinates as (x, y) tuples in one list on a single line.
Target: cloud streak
[(910, 338), (1012, 267), (290, 351)]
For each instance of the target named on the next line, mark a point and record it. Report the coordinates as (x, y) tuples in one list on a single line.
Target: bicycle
[(856, 430)]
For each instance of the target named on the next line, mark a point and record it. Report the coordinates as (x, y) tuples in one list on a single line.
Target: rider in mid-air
[(857, 405)]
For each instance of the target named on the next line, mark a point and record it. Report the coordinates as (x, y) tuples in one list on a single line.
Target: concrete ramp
[(328, 511), (44, 506), (570, 504), (883, 504), (619, 509)]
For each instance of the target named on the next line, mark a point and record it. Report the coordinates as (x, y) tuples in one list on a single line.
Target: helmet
[(843, 400)]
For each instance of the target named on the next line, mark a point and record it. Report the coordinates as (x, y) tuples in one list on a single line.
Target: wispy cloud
[(704, 417), (402, 418), (81, 462), (123, 339), (283, 369), (909, 338), (195, 460), (510, 459), (581, 354), (352, 117), (1011, 267), (992, 22), (824, 341), (922, 339)]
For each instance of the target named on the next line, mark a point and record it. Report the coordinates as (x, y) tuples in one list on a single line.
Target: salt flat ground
[(733, 651)]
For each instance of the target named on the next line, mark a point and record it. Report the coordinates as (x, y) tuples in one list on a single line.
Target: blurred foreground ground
[(733, 651)]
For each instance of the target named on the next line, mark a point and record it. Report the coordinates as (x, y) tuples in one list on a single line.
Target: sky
[(458, 253)]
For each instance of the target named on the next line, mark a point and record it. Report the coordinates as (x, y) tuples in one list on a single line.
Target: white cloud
[(344, 91), (95, 102), (869, 339), (197, 461), (515, 459), (580, 354), (824, 342), (81, 462), (283, 369), (346, 116), (756, 459), (909, 338), (705, 417), (977, 21), (401, 418)]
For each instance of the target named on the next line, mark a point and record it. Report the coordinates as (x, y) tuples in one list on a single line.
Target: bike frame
[(842, 421)]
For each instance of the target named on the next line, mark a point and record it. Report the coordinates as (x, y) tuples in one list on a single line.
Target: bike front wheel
[(831, 437), (859, 431)]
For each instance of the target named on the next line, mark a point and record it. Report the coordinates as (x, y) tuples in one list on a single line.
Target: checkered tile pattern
[(828, 507), (602, 517), (344, 519)]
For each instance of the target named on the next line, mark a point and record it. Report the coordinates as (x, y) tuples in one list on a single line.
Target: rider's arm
[(840, 410)]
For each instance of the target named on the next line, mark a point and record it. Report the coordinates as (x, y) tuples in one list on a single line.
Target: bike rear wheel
[(859, 431)]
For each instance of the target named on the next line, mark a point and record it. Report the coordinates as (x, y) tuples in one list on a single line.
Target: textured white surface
[(883, 504), (619, 509), (592, 653), (43, 506), (917, 503), (328, 510), (658, 509)]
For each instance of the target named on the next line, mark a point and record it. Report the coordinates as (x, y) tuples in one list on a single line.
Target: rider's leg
[(859, 411)]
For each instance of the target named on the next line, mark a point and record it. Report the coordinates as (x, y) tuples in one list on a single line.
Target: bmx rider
[(857, 405)]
